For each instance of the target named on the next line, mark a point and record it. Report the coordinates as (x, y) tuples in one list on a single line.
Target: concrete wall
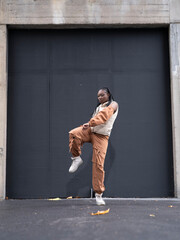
[(175, 99), (84, 11), (3, 108), (174, 11), (92, 13)]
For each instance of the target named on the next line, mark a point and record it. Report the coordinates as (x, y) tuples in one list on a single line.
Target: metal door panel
[(54, 76)]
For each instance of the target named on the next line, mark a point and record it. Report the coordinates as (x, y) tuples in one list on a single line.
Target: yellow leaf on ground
[(69, 197), (100, 212), (152, 215), (54, 199)]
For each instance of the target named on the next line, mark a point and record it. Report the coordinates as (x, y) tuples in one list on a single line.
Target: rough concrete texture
[(175, 99), (70, 219), (3, 108), (85, 11), (174, 11)]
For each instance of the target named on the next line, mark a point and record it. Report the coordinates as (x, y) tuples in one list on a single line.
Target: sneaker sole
[(100, 204)]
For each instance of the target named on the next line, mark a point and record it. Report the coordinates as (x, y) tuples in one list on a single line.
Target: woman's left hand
[(86, 126)]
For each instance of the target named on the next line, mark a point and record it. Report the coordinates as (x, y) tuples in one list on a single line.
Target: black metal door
[(54, 76)]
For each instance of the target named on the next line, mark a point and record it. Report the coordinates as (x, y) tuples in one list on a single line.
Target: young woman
[(97, 132)]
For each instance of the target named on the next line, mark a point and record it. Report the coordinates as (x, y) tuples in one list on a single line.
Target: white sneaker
[(99, 200), (76, 162)]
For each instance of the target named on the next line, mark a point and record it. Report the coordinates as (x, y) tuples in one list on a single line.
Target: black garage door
[(54, 76)]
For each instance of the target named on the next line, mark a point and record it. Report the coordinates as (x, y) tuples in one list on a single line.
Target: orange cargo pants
[(77, 137)]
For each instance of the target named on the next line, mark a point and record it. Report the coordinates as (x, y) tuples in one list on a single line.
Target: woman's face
[(103, 96)]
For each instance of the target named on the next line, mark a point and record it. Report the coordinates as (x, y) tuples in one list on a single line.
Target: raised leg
[(77, 137)]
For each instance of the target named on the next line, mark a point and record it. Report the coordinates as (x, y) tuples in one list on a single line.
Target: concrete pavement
[(129, 219)]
